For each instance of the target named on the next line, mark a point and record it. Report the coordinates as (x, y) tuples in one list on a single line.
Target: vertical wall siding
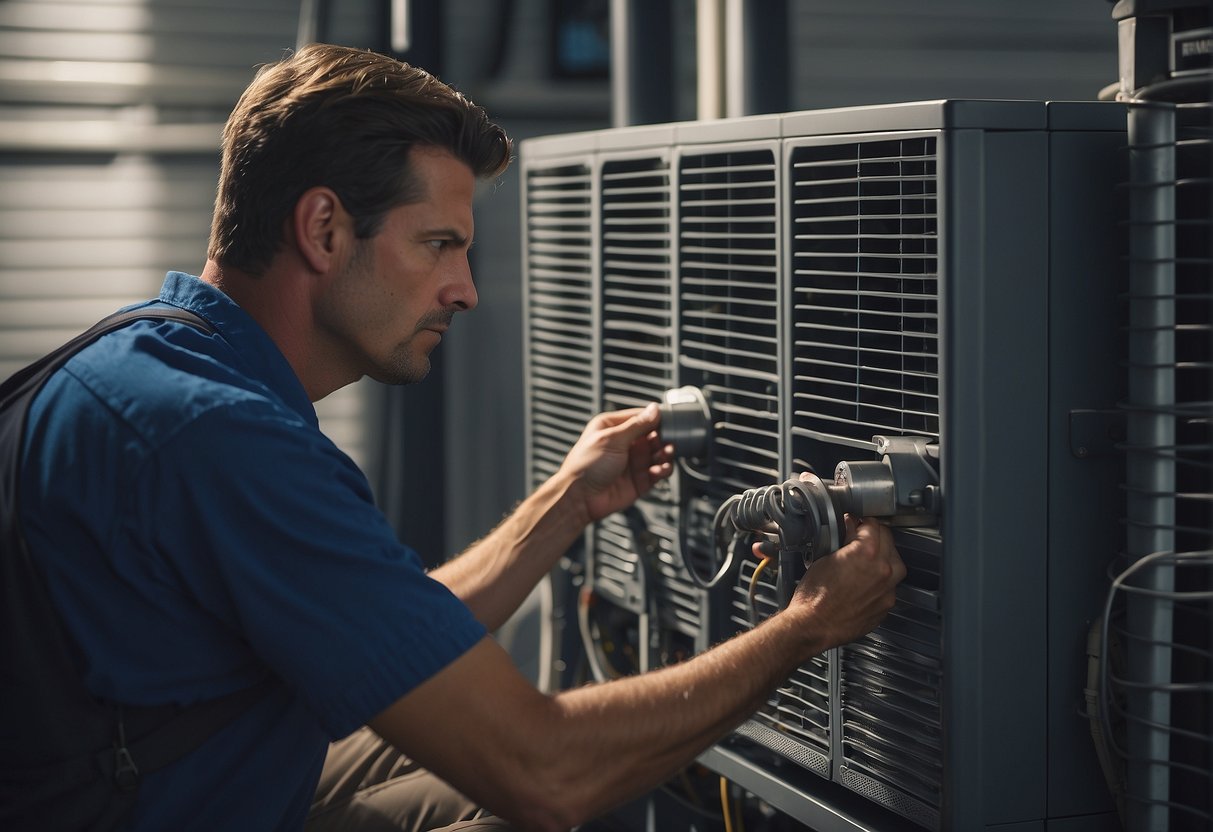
[(169, 53), (82, 235), (110, 115), (848, 52)]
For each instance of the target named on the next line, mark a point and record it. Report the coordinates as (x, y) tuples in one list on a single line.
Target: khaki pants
[(369, 786)]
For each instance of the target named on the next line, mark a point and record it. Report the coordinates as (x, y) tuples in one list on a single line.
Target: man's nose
[(461, 291)]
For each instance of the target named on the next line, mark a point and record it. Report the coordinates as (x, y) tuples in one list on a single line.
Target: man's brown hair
[(345, 119)]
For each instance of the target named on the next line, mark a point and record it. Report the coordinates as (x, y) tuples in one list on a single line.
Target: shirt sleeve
[(273, 531)]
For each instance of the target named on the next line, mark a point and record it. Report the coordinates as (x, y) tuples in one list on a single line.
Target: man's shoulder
[(154, 379)]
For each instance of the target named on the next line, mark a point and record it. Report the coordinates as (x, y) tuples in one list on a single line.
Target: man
[(199, 535)]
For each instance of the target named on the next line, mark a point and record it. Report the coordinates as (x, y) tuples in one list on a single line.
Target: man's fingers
[(631, 423), (852, 527), (880, 536), (647, 418), (613, 418)]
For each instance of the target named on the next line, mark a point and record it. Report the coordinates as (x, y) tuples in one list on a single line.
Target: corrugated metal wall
[(848, 52), (110, 114)]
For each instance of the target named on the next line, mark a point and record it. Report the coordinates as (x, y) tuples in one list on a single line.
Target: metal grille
[(887, 691), (680, 604), (864, 280), (1191, 748), (799, 710), (559, 312), (889, 686), (637, 315), (1160, 646), (617, 569), (660, 582), (637, 367), (728, 279)]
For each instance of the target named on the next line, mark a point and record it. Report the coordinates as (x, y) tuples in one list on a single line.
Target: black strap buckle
[(126, 773)]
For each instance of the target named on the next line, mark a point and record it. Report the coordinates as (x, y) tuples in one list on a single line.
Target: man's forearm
[(550, 762), (616, 739), (616, 460), (623, 736), (495, 574)]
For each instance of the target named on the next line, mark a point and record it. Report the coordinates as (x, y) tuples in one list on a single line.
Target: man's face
[(399, 291)]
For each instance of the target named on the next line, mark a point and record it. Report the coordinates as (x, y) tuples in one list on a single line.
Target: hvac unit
[(929, 286)]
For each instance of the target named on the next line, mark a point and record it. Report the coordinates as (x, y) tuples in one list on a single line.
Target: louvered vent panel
[(681, 606), (637, 316), (889, 688), (559, 312), (800, 710), (802, 293), (637, 358), (865, 284), (661, 581), (728, 275), (616, 567)]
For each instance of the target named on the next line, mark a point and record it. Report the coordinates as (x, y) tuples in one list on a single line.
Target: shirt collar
[(260, 355)]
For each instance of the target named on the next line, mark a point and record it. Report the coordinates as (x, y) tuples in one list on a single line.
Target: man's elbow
[(549, 792), (541, 810)]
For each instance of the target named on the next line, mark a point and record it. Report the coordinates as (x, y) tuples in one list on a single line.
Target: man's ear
[(322, 228)]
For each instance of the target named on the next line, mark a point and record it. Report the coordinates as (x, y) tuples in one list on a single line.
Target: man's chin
[(410, 374)]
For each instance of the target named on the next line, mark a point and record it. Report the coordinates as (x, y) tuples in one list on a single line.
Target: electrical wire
[(687, 803), (723, 515), (1194, 652), (646, 546), (750, 596), (1170, 804), (1113, 771), (690, 471), (703, 478), (724, 805), (600, 668), (1118, 583), (1106, 703), (757, 511)]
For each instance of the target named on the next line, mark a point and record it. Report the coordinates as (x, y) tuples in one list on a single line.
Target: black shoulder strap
[(18, 391), (51, 721), (187, 729), (28, 381)]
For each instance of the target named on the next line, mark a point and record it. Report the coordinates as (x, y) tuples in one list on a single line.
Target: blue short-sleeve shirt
[(198, 532)]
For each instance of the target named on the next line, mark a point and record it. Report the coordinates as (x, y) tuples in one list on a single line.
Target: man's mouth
[(439, 322)]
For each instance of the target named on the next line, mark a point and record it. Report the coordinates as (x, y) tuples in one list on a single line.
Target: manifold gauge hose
[(799, 514)]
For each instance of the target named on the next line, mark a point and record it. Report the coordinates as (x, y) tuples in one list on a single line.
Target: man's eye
[(437, 245)]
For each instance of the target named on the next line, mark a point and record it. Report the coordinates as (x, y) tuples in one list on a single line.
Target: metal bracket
[(1096, 433)]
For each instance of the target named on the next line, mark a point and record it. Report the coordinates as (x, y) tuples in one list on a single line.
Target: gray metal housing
[(946, 269)]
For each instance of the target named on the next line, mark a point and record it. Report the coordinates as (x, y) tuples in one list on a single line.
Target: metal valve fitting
[(803, 516), (686, 422)]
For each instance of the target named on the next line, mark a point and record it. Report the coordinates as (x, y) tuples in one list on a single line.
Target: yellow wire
[(724, 805), (763, 564)]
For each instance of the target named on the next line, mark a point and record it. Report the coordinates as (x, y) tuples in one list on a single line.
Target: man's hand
[(617, 459), (850, 591)]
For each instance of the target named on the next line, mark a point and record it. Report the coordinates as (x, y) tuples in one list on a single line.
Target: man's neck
[(280, 301)]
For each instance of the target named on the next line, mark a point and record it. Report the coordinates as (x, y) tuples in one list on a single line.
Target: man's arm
[(550, 762), (617, 459)]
